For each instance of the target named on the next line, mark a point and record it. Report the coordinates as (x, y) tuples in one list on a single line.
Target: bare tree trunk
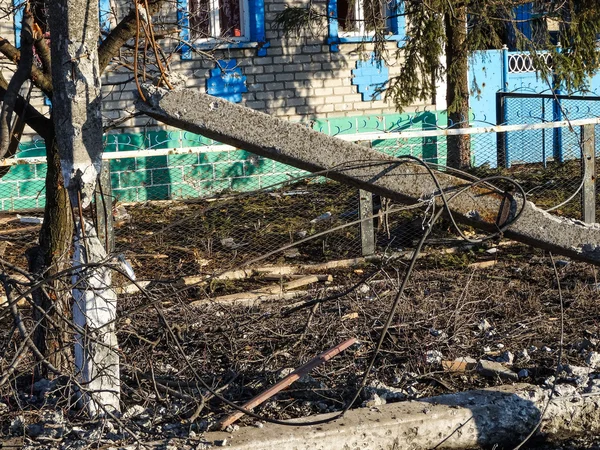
[(77, 119), (51, 336), (459, 147)]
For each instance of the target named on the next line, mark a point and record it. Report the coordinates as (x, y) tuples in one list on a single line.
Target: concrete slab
[(299, 146), (502, 416)]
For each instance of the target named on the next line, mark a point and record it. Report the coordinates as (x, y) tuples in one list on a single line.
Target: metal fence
[(212, 208)]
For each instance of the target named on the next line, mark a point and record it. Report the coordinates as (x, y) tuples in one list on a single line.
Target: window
[(355, 20), (221, 23), (211, 19), (358, 17)]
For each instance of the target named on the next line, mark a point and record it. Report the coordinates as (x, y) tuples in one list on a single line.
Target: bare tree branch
[(21, 75), (122, 33)]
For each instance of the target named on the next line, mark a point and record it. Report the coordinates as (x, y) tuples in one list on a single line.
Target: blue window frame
[(255, 34), (396, 24)]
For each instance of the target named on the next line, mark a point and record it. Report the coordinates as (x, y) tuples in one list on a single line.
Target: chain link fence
[(210, 208)]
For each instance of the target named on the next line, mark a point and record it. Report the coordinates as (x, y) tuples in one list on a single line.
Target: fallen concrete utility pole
[(473, 419), (367, 169)]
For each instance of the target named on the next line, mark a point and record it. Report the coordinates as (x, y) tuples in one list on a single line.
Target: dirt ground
[(497, 301)]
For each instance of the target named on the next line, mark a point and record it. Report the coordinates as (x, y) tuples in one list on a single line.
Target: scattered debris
[(483, 264), (322, 217), (495, 369), (349, 316), (460, 364), (433, 357), (29, 219), (507, 358), (288, 380), (593, 360)]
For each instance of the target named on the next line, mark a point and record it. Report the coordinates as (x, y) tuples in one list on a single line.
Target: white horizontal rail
[(462, 131), (345, 137), (127, 154)]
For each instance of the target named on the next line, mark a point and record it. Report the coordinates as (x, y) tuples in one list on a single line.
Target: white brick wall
[(299, 78)]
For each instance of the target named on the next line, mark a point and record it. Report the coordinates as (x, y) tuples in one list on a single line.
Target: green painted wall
[(208, 173)]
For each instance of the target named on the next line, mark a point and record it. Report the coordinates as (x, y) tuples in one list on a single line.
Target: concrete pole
[(367, 232), (365, 168), (588, 166)]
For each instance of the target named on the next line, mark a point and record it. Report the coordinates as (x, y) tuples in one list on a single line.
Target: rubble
[(593, 360), (495, 369)]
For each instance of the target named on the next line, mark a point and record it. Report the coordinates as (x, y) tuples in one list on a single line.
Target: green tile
[(280, 167), (41, 170), (228, 170), (210, 157), (110, 142), (151, 162), (342, 125), (184, 190), (397, 122), (194, 140), (125, 195), (8, 189), (153, 193), (31, 188), (198, 172), (25, 203), (30, 149), (239, 155), (369, 124), (208, 188), (121, 164), (134, 179), (321, 125), (131, 141), (20, 172), (114, 180), (166, 176), (183, 160), (261, 166)]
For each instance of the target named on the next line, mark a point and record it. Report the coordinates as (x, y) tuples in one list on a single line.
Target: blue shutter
[(523, 15), (332, 20)]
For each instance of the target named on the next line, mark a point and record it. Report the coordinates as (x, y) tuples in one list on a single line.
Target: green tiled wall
[(212, 172)]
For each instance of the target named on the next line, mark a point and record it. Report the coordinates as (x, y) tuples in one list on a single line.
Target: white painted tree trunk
[(76, 112), (94, 310)]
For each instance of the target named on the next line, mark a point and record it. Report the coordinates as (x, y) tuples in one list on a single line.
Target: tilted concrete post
[(353, 164)]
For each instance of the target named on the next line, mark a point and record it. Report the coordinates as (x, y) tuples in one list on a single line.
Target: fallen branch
[(272, 292), (287, 381)]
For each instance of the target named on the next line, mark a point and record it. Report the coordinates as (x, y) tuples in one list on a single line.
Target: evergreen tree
[(441, 34)]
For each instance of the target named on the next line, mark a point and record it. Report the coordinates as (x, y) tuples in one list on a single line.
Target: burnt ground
[(509, 311)]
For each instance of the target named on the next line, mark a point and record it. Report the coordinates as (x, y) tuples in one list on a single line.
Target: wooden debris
[(26, 229), (459, 365), (350, 316), (273, 277), (483, 264), (272, 292), (149, 256), (287, 381), (131, 288)]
